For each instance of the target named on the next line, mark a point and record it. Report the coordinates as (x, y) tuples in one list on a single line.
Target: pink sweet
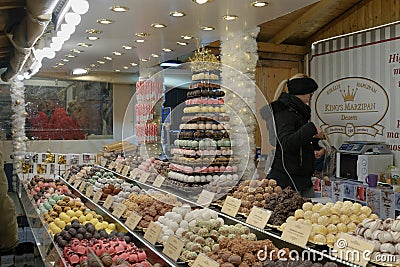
[(142, 255), (222, 168), (234, 168), (133, 258), (216, 169), (228, 168), (210, 169)]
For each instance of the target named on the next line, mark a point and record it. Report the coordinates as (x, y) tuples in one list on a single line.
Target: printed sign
[(296, 233), (352, 106)]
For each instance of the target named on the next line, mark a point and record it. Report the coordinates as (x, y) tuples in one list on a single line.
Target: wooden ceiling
[(289, 34)]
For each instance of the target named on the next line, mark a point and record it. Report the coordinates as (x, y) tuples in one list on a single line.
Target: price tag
[(119, 210), (82, 186), (134, 172), (352, 249), (296, 233), (103, 162), (72, 179), (77, 183), (119, 167), (231, 206), (133, 220), (109, 201), (97, 196), (204, 261), (144, 177), (112, 165), (66, 174), (173, 247), (89, 191), (125, 171), (205, 198), (258, 217), (152, 233), (159, 181)]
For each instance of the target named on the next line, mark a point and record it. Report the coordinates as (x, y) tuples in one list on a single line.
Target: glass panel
[(61, 110)]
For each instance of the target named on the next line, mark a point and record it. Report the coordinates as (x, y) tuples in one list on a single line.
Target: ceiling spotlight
[(79, 71), (125, 67), (54, 67), (117, 70), (177, 14), (101, 62), (181, 43), (105, 21), (139, 40), (119, 8), (92, 38), (133, 64), (70, 56), (116, 53), (186, 37), (155, 55), (93, 65), (201, 2), (259, 3), (127, 47), (144, 60), (207, 28), (60, 64), (93, 31), (108, 58), (171, 63), (65, 60), (167, 50), (76, 51), (158, 25), (230, 17), (84, 44), (142, 34)]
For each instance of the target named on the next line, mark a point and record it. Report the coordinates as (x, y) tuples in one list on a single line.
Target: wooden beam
[(313, 12), (269, 48), (97, 76), (280, 48), (278, 56), (336, 21)]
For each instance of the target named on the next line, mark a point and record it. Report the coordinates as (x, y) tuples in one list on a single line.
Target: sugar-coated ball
[(307, 206)]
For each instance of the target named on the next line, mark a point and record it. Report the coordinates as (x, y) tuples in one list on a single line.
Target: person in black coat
[(293, 164)]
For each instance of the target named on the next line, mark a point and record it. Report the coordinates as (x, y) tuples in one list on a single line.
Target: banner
[(359, 87)]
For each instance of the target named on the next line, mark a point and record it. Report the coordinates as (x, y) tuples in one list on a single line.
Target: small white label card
[(97, 196), (173, 247), (134, 173), (231, 206), (353, 249), (89, 191), (296, 233), (159, 181), (133, 220), (82, 186), (108, 202), (144, 177), (258, 217), (125, 171), (204, 261), (152, 233), (205, 198), (119, 210)]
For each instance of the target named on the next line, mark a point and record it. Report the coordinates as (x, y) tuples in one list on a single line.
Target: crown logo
[(349, 95)]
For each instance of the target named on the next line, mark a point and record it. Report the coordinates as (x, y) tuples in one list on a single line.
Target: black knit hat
[(301, 86)]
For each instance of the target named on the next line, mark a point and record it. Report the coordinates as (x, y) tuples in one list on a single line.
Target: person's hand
[(319, 153), (320, 134)]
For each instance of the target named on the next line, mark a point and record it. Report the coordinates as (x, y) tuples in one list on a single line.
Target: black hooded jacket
[(294, 135)]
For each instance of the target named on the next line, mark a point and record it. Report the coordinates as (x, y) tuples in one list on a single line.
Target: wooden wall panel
[(366, 14)]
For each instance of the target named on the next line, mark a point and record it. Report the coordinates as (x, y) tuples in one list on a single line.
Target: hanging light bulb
[(73, 18), (80, 6)]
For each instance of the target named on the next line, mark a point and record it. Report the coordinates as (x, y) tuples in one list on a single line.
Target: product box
[(387, 204), (88, 158), (374, 200), (74, 159), (337, 191)]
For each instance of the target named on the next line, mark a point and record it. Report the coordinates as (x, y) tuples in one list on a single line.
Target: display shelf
[(270, 233), (50, 253), (153, 252)]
